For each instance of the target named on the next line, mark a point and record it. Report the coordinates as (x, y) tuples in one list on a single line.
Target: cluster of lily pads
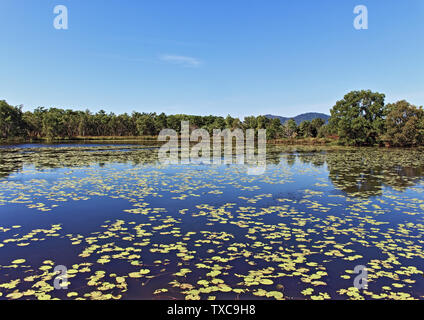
[(127, 227)]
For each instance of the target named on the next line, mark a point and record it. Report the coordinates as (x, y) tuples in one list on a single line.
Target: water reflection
[(366, 172), (133, 229), (356, 172)]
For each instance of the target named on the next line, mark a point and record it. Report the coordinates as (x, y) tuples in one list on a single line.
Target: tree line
[(361, 118), (59, 123)]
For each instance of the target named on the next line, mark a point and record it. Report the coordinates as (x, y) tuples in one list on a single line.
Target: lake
[(124, 226)]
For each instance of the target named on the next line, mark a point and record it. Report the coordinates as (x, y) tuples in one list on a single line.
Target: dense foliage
[(58, 123), (361, 118), (11, 122), (404, 124), (358, 118)]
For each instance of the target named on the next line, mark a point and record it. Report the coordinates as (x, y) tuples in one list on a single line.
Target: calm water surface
[(127, 227)]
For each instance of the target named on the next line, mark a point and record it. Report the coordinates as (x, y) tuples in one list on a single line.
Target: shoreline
[(330, 142)]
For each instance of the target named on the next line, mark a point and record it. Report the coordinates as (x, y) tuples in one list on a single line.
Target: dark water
[(126, 226)]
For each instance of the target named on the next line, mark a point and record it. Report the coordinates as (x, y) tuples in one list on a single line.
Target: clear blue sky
[(238, 57)]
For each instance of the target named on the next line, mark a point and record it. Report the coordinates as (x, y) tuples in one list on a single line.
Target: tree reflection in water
[(361, 172)]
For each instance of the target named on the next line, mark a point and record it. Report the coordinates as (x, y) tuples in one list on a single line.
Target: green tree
[(85, 124), (290, 129), (11, 122), (229, 122), (34, 122), (262, 122), (237, 124), (146, 124), (174, 122), (53, 123), (250, 122), (218, 123), (405, 124), (160, 122), (316, 125), (358, 119), (305, 129), (323, 131), (274, 129)]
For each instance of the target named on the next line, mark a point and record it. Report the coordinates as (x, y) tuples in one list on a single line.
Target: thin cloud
[(180, 60)]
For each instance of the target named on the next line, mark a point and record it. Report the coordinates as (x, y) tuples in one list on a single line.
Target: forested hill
[(301, 117)]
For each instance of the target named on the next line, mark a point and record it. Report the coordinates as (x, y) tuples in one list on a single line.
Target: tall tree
[(405, 124), (53, 123), (274, 129), (305, 129), (11, 123), (358, 119), (316, 125), (290, 128)]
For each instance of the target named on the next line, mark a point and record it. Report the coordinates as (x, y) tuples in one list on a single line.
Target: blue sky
[(238, 57)]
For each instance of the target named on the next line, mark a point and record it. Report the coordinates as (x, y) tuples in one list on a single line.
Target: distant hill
[(301, 117)]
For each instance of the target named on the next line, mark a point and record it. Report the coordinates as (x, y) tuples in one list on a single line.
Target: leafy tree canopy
[(405, 124), (359, 118)]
